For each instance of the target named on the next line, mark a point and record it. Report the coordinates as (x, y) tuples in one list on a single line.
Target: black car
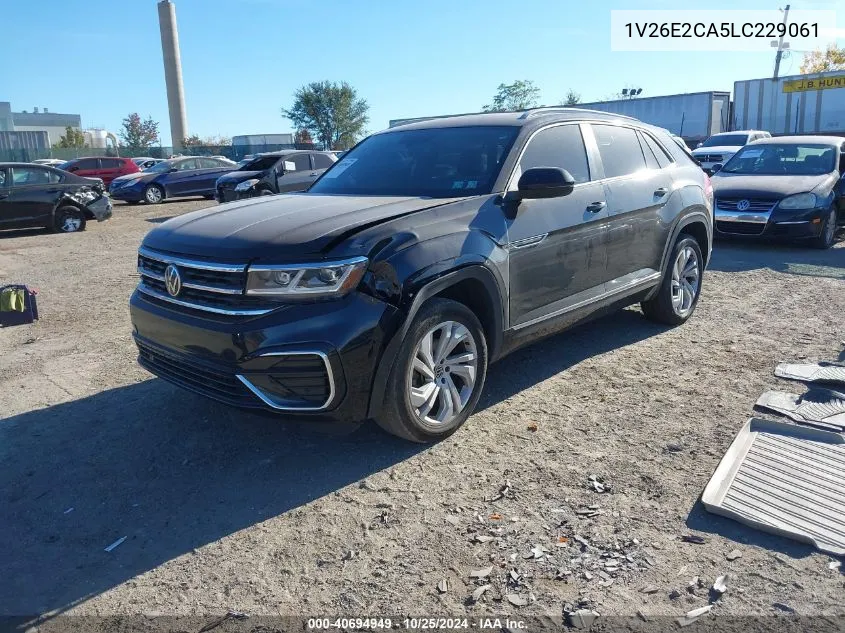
[(37, 195), (174, 178), (429, 251), (273, 172), (787, 187)]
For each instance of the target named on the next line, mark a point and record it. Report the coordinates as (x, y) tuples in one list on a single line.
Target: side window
[(186, 165), (322, 161), (208, 163), (560, 146), (619, 149), (110, 163), (302, 162), (663, 159), (30, 176), (88, 163), (650, 158)]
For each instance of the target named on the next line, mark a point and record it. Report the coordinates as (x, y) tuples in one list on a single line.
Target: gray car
[(786, 187), (273, 172)]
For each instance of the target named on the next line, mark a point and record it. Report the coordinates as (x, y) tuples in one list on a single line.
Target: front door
[(637, 189), (7, 211), (294, 173), (210, 170), (182, 181), (556, 245), (33, 194)]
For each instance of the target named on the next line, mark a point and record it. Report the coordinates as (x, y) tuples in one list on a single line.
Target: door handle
[(313, 174), (659, 193), (595, 207)]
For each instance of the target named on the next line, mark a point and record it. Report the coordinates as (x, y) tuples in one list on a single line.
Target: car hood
[(134, 176), (240, 176), (767, 187), (717, 149), (279, 228)]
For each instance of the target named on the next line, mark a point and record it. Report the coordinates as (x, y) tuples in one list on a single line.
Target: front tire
[(153, 194), (828, 233), (68, 220), (680, 289), (438, 375)]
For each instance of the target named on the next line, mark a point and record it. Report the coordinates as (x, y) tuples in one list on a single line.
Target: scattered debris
[(719, 587), (588, 575), (349, 555), (674, 594), (495, 517), (483, 538), (694, 538), (562, 573), (780, 606), (537, 552), (693, 615), (115, 544), (562, 539), (674, 448), (582, 618), (734, 554), (694, 584), (649, 589), (443, 586), (514, 576), (451, 518), (517, 600), (476, 595), (532, 427), (598, 484), (481, 573), (504, 491), (642, 615), (231, 615), (581, 540), (68, 511)]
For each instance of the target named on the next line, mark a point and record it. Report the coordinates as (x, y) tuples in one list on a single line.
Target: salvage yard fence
[(233, 152)]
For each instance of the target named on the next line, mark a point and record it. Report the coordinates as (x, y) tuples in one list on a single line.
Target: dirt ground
[(223, 510)]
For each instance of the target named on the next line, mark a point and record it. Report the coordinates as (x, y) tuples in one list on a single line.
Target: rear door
[(86, 167), (556, 245), (637, 190), (294, 173), (7, 211), (210, 169), (110, 168), (33, 194)]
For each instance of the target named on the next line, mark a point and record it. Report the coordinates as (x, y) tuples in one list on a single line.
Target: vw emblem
[(743, 205), (172, 280)]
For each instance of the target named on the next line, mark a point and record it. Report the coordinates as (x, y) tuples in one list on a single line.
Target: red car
[(105, 167)]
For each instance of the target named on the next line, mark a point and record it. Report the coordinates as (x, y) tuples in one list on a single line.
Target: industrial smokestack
[(172, 72)]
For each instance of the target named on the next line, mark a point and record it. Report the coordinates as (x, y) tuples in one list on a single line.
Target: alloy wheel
[(153, 195), (686, 277), (443, 373), (71, 224)]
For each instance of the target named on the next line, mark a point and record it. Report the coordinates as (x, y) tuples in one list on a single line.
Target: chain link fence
[(232, 152)]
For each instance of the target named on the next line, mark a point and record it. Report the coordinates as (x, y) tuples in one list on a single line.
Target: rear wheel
[(153, 194), (828, 233), (680, 289), (68, 220), (438, 375)]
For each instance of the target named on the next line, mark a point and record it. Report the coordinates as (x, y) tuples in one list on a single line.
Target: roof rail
[(569, 110)]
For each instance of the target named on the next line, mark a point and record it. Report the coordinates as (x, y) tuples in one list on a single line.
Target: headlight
[(318, 279), (799, 201), (246, 185)]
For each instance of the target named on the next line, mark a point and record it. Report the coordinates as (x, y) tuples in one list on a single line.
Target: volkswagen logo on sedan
[(743, 205), (172, 280)]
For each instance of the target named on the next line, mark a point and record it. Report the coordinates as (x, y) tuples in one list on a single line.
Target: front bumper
[(131, 193), (313, 360), (222, 194), (774, 224), (101, 208)]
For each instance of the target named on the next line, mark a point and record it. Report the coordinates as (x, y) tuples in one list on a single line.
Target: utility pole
[(779, 54)]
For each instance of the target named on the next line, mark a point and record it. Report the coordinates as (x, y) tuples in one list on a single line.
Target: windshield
[(434, 162), (783, 159), (731, 140), (260, 164), (160, 168)]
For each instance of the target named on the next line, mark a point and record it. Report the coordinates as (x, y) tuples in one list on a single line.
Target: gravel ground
[(223, 510)]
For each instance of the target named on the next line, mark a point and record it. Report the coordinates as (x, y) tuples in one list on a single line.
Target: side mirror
[(716, 167), (545, 182), (699, 145)]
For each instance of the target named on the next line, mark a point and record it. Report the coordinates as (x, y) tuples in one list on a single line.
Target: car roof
[(836, 141), (514, 119), (738, 132), (22, 164)]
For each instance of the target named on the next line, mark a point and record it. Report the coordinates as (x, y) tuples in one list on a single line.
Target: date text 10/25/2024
[(415, 624)]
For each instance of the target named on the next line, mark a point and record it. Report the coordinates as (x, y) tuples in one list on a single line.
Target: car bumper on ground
[(314, 361), (101, 208), (775, 224)]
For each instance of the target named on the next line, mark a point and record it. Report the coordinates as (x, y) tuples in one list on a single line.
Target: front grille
[(755, 205), (204, 378), (740, 228), (206, 286)]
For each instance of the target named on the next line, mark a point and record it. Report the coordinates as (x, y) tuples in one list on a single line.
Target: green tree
[(572, 98), (520, 95), (72, 139), (138, 134), (819, 61), (303, 137), (332, 112), (192, 141)]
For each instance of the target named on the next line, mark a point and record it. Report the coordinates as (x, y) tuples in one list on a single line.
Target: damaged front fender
[(92, 200)]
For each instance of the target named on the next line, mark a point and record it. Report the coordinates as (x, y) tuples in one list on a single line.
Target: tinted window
[(322, 161), (783, 159), (110, 163), (301, 162), (659, 153), (650, 158), (620, 150), (726, 139), (32, 176), (260, 164), (86, 163), (429, 162), (560, 146)]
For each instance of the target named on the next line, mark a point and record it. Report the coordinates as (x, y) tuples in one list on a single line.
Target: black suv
[(273, 172), (427, 252)]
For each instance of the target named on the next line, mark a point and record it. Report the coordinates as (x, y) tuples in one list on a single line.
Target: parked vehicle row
[(173, 178), (719, 148), (427, 252)]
